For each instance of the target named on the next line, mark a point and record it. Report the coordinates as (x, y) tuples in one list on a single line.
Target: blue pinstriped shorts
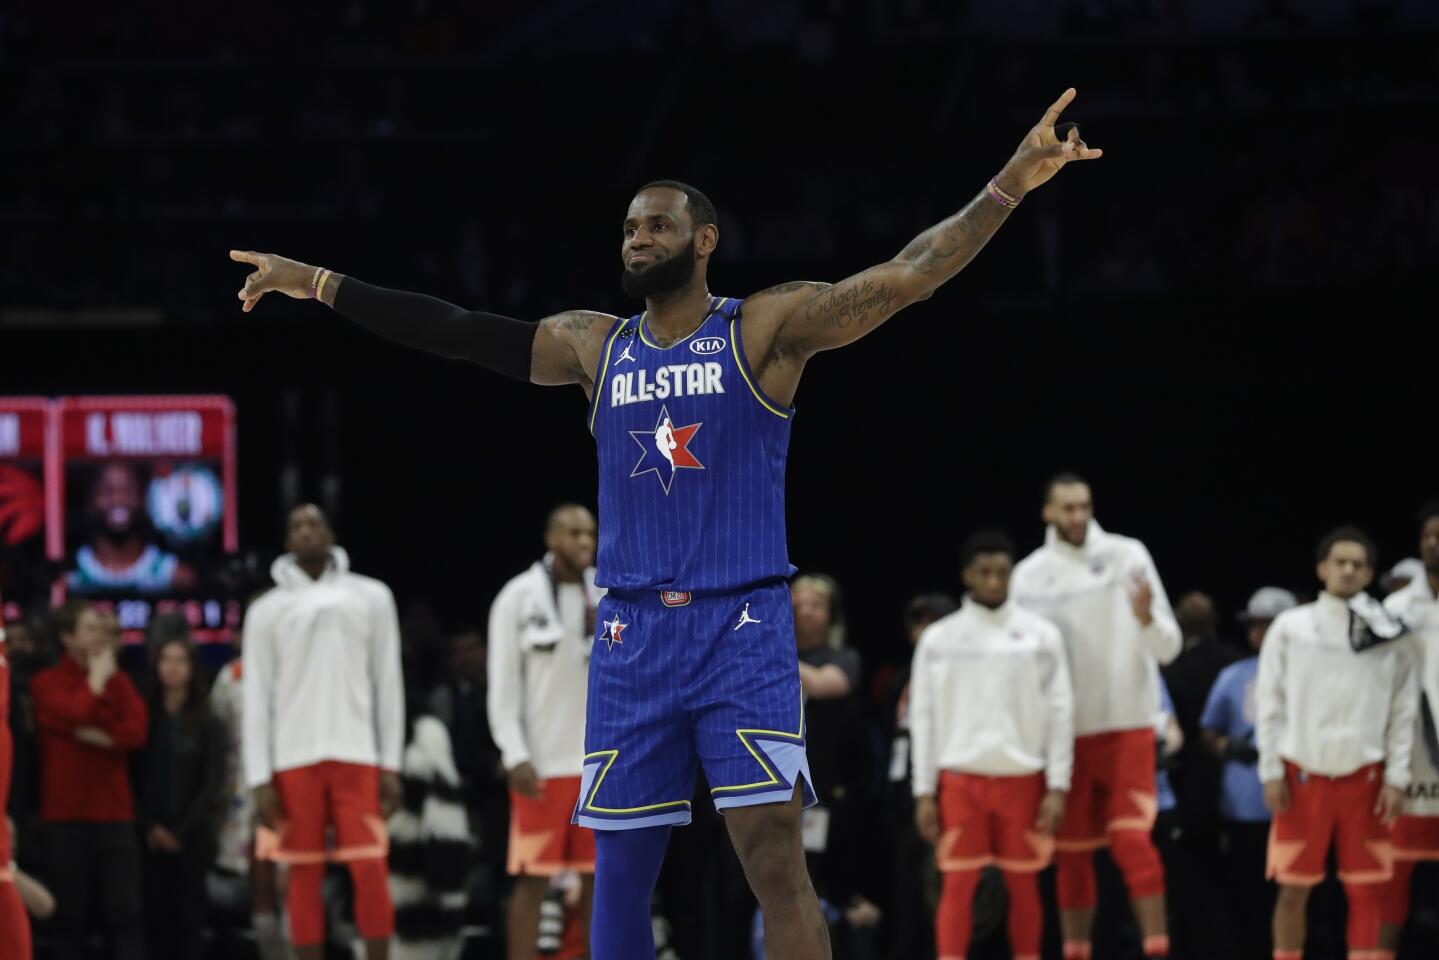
[(679, 681)]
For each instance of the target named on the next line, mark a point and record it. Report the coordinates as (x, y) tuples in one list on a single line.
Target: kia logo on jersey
[(705, 346)]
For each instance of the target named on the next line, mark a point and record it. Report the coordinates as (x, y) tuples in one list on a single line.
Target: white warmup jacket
[(1324, 707), (322, 672), (989, 694), (1418, 607), (1085, 592), (540, 639)]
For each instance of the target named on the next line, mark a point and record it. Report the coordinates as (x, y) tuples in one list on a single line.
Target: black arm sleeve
[(500, 343)]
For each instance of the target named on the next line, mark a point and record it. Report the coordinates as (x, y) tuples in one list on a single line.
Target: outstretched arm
[(809, 317), (560, 349)]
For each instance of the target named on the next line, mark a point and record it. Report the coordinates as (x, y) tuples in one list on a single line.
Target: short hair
[(929, 607), (699, 207), (984, 542), (1428, 512), (553, 516), (65, 616), (1349, 534), (1064, 478)]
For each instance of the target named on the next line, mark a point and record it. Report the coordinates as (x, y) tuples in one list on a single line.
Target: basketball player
[(14, 924), (1416, 833), (991, 718), (541, 631), (324, 722), (692, 527), (1105, 595), (1336, 701)]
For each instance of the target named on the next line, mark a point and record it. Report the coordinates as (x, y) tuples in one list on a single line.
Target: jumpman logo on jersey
[(626, 355), (613, 629), (666, 449), (745, 618)]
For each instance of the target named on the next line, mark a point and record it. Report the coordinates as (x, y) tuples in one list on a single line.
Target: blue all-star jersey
[(692, 459)]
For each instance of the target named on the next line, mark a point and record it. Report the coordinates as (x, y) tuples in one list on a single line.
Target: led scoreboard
[(139, 507)]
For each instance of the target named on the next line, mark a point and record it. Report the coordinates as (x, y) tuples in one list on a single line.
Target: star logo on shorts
[(613, 629)]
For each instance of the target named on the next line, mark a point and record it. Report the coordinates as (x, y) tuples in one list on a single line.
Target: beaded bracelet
[(1000, 197)]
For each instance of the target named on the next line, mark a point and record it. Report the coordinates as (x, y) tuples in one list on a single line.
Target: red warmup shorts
[(1112, 788), (1416, 838), (312, 798), (990, 820), (543, 842), (1324, 810)]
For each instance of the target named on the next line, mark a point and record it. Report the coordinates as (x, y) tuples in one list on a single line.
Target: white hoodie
[(1085, 592), (540, 639), (1418, 607), (1327, 709), (989, 694), (322, 672)]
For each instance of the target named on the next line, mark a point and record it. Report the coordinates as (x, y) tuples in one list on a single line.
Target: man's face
[(1429, 545), (117, 499), (1069, 510), (307, 533), (572, 537), (1346, 571), (661, 248), (987, 578), (467, 657), (1257, 630)]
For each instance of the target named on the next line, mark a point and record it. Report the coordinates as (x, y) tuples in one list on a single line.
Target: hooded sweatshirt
[(322, 672), (1085, 592)]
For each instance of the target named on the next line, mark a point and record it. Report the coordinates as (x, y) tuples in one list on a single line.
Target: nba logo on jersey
[(666, 449)]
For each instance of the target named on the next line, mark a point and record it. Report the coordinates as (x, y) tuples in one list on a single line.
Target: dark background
[(1227, 323)]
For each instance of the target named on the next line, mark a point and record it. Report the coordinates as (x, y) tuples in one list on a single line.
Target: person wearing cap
[(1227, 728), (1416, 833), (1336, 697)]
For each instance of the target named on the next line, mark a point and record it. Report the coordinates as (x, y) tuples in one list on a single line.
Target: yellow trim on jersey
[(773, 780), (714, 307), (739, 362), (604, 369), (594, 790)]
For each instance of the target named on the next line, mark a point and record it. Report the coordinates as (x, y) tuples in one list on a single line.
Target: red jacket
[(79, 781)]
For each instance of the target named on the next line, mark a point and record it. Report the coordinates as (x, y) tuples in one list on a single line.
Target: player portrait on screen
[(122, 550)]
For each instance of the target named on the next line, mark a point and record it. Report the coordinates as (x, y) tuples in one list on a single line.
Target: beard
[(662, 276)]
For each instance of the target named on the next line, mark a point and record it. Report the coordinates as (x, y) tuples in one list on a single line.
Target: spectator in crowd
[(1227, 726), (991, 717), (258, 886), (837, 744), (910, 923), (459, 702), (324, 723), (1416, 833), (429, 844), (1336, 702), (90, 718), (27, 652), (542, 626), (1105, 595), (180, 801), (14, 924)]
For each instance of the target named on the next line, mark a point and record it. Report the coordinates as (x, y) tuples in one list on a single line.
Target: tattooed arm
[(796, 320)]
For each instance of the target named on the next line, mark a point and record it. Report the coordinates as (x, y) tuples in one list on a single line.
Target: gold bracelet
[(320, 290)]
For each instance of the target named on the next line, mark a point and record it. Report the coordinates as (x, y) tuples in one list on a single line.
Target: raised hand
[(274, 273), (1042, 153)]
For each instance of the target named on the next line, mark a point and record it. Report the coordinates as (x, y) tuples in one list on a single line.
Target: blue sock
[(627, 865)]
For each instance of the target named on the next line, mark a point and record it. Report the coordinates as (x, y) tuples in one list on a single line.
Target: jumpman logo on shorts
[(745, 618), (626, 355)]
